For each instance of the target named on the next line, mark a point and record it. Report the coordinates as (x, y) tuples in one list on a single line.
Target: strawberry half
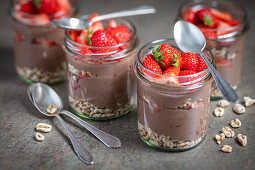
[(48, 7), (166, 56), (172, 71), (221, 15), (190, 61), (120, 33), (151, 64), (190, 16)]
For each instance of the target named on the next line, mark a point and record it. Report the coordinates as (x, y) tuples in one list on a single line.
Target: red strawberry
[(151, 64), (28, 7), (83, 37), (96, 25), (190, 61), (190, 16), (102, 38), (48, 7), (64, 4), (186, 73), (233, 22), (206, 17), (222, 25), (120, 33), (166, 56), (208, 33), (202, 65), (73, 35), (172, 71), (221, 15)]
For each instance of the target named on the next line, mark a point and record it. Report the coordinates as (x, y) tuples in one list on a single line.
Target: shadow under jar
[(101, 84), (226, 45), (171, 116), (37, 44)]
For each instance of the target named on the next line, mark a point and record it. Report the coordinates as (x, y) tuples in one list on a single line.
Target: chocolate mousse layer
[(172, 119), (38, 53), (101, 89)]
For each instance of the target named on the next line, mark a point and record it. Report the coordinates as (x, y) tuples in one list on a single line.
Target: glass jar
[(101, 84), (227, 44), (37, 45), (171, 117)]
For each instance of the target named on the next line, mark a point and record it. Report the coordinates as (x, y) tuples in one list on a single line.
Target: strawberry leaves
[(37, 3), (175, 60), (157, 55)]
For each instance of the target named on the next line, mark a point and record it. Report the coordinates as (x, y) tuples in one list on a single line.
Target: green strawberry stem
[(208, 20), (90, 34), (175, 60), (157, 55), (37, 3)]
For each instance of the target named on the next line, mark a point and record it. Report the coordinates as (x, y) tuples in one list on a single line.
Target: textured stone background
[(18, 149)]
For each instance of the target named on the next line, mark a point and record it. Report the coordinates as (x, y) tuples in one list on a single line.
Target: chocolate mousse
[(224, 25), (101, 82), (172, 101), (39, 56)]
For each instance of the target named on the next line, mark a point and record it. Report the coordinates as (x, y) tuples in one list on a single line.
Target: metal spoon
[(108, 140), (42, 99), (189, 38), (79, 24)]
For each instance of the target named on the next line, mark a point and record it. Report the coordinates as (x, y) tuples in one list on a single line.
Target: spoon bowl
[(43, 97), (190, 38)]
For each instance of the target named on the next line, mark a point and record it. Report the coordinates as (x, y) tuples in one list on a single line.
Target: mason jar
[(171, 116), (101, 84), (37, 45), (227, 44)]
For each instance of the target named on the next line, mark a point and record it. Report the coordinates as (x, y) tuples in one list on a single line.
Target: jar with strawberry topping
[(38, 54), (224, 25), (173, 96), (101, 82)]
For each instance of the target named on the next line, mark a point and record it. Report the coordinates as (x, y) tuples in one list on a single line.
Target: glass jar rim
[(233, 30), (205, 73)]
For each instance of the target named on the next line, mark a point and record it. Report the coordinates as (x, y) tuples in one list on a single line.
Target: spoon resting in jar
[(190, 38), (79, 24)]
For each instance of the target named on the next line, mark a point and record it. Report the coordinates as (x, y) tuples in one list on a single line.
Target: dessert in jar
[(224, 25), (173, 96), (100, 80), (37, 43)]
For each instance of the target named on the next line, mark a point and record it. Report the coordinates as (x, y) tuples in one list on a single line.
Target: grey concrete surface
[(18, 118)]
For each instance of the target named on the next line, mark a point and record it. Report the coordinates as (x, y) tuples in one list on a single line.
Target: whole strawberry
[(202, 65), (28, 7), (151, 64), (190, 61), (206, 17), (187, 73), (166, 56), (190, 16), (48, 7), (102, 38), (120, 33)]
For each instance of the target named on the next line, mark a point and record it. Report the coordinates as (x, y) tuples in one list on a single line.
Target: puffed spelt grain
[(218, 112), (242, 139), (43, 127), (235, 123), (226, 148), (223, 103), (238, 108), (39, 137)]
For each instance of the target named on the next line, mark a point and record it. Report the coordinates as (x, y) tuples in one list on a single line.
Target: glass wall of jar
[(101, 83), (171, 116), (37, 43), (225, 44)]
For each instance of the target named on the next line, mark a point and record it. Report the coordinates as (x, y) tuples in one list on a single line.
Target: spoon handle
[(227, 91), (83, 154), (145, 9), (108, 140)]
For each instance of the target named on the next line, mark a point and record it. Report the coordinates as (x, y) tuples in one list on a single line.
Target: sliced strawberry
[(96, 25), (112, 23), (208, 33), (221, 15), (41, 19), (73, 35), (172, 71), (166, 55), (28, 7), (190, 61), (120, 33), (83, 37), (206, 17), (190, 16), (233, 22), (221, 26), (151, 64), (64, 4)]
